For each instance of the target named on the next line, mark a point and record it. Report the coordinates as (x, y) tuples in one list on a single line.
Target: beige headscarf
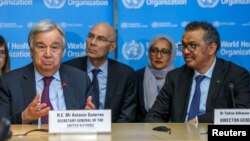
[(154, 79)]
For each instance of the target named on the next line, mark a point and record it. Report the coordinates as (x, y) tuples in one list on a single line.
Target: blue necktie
[(195, 104), (95, 88), (45, 97)]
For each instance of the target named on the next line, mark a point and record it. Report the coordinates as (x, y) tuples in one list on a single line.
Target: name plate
[(80, 121), (232, 116)]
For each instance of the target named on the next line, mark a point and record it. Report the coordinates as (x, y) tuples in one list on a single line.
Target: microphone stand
[(231, 87)]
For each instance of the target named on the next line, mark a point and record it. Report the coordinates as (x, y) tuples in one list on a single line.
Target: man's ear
[(213, 48), (31, 52), (64, 52), (113, 47)]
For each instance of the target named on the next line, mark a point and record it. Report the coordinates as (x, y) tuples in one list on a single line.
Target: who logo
[(54, 4), (132, 50), (208, 3), (133, 4)]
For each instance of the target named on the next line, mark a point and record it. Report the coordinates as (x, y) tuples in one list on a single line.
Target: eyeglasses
[(2, 53), (92, 36), (54, 47), (154, 51), (189, 46)]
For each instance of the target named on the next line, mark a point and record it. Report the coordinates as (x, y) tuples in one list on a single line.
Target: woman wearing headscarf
[(151, 78)]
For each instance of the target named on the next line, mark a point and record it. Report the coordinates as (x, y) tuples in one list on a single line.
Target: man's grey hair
[(44, 26)]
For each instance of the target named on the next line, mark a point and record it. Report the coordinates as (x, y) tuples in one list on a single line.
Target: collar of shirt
[(208, 74), (103, 68), (39, 77)]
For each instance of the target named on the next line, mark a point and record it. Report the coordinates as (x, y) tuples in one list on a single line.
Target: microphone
[(5, 132), (231, 88)]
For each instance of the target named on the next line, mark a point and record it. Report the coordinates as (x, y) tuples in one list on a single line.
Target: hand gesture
[(35, 110), (89, 104)]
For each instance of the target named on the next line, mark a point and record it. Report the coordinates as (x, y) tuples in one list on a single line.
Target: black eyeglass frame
[(191, 47), (163, 52)]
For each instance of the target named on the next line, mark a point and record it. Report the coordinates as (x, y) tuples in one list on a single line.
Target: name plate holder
[(232, 116), (79, 121)]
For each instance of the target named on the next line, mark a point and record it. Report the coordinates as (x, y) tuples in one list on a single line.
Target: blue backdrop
[(137, 22), (140, 20), (75, 16)]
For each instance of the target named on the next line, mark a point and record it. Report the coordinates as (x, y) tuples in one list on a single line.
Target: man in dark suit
[(117, 88), (26, 97), (176, 101)]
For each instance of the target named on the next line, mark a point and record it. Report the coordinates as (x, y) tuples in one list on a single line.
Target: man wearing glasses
[(204, 83), (113, 84)]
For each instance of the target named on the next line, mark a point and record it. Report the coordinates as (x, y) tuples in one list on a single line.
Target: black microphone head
[(5, 132), (231, 85)]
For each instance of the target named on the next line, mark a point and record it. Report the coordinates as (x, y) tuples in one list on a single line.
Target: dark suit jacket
[(140, 110), (172, 102), (19, 89), (121, 89)]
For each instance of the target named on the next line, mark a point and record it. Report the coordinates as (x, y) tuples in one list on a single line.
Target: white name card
[(80, 121), (232, 116)]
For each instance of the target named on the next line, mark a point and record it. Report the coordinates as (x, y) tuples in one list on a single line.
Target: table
[(120, 132)]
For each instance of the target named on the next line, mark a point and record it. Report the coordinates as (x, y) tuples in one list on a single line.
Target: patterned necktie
[(45, 97), (95, 88), (195, 104)]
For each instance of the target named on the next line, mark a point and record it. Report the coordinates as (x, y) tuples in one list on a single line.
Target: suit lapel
[(28, 85), (215, 84), (84, 64), (187, 85), (140, 94), (67, 88), (112, 77)]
